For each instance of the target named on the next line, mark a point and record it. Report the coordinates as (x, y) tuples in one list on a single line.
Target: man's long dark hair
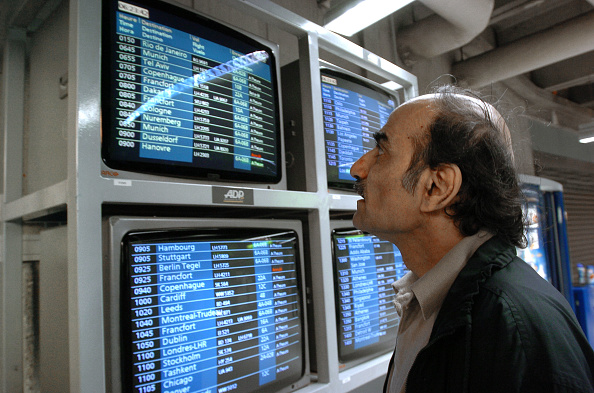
[(469, 136)]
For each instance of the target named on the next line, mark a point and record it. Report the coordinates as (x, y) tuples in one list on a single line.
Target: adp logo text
[(234, 196), (243, 196)]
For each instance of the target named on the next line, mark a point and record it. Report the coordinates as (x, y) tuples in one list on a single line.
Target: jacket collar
[(455, 312)]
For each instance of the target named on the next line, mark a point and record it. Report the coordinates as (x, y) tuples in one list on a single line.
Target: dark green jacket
[(502, 328)]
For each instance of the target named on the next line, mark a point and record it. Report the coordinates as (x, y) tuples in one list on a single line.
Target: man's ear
[(441, 186)]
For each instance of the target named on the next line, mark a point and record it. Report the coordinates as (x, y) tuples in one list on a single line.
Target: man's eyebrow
[(380, 137)]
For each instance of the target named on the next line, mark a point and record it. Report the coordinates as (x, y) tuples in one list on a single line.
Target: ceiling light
[(354, 16)]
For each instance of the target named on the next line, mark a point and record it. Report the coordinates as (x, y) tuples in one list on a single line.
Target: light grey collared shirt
[(418, 301)]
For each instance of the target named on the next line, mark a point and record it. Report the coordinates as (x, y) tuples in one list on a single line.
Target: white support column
[(323, 293), (311, 96), (11, 374), (13, 101), (84, 196)]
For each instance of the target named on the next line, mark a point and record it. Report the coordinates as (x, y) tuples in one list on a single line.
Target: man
[(441, 185)]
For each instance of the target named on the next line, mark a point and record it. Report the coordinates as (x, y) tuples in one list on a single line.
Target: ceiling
[(561, 81), (541, 49), (572, 78)]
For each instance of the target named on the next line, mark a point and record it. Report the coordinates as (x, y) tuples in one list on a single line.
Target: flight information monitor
[(185, 96), (216, 310), (354, 110), (364, 268)]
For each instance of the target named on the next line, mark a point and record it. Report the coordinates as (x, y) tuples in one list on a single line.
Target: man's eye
[(380, 151)]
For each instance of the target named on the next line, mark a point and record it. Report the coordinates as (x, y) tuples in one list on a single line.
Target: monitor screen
[(211, 310), (364, 268), (354, 109), (535, 254), (185, 96)]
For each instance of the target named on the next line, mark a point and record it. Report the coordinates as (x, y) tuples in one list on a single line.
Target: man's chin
[(358, 220)]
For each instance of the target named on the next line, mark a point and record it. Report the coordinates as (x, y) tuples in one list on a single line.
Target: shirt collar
[(403, 294), (431, 289)]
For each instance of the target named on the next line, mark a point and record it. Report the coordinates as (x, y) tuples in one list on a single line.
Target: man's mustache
[(359, 187)]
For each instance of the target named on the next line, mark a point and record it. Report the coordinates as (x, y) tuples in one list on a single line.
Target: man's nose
[(361, 166)]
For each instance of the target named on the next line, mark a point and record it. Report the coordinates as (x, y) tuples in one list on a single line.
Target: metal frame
[(85, 191)]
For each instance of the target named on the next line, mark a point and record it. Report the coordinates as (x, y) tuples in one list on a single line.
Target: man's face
[(387, 209)]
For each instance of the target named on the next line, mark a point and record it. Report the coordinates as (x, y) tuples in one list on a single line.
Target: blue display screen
[(353, 112), (185, 96), (211, 313), (535, 254), (365, 267)]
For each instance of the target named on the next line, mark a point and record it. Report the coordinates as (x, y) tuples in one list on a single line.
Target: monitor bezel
[(139, 169), (338, 72), (115, 230), (366, 353)]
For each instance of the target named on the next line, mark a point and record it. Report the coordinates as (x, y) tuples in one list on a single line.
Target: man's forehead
[(428, 101), (410, 118), (420, 111)]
